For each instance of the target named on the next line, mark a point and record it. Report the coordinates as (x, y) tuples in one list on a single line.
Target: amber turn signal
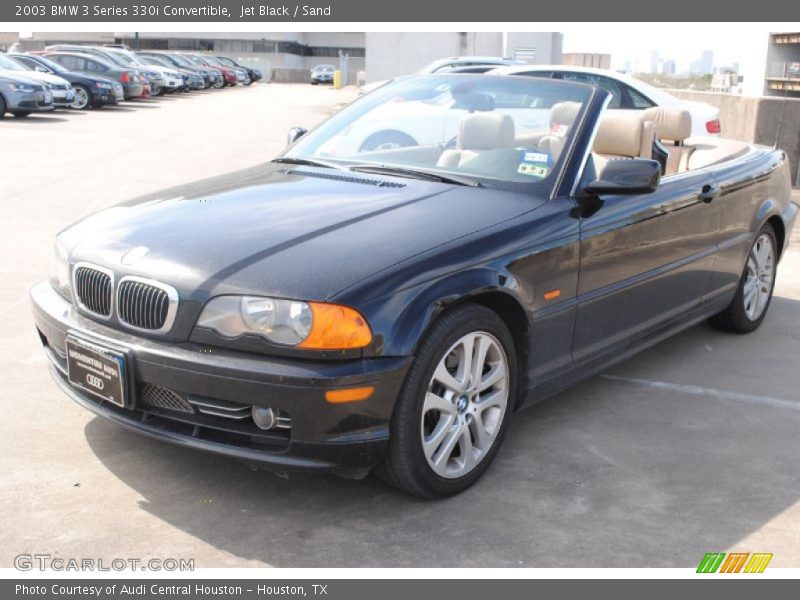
[(336, 327), (349, 394)]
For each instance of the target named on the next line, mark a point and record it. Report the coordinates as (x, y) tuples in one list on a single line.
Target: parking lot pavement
[(690, 447)]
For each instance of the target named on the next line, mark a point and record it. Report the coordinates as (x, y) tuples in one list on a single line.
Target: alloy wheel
[(81, 98), (758, 277), (464, 405)]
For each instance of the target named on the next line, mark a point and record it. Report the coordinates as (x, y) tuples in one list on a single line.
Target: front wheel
[(454, 407), (83, 97), (754, 294)]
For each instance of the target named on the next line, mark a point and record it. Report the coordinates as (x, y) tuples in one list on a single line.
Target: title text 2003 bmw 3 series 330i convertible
[(373, 299)]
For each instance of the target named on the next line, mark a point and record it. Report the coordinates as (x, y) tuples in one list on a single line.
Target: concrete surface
[(691, 447), (760, 120)]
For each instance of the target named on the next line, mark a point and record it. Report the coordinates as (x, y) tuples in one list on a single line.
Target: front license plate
[(96, 370)]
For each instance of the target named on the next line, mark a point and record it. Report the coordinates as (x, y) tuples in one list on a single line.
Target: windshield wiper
[(416, 174), (309, 162)]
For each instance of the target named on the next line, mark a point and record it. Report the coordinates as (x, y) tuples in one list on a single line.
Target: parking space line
[(696, 390)]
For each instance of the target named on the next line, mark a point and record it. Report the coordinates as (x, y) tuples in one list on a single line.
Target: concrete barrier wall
[(756, 120), (284, 75)]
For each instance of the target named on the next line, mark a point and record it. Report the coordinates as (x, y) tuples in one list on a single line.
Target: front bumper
[(63, 98), (133, 90), (30, 101), (345, 438)]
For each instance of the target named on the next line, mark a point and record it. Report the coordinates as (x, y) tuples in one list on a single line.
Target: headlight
[(103, 86), (21, 87), (59, 273), (309, 325)]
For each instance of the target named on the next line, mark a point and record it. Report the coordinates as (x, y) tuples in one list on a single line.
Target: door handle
[(708, 193)]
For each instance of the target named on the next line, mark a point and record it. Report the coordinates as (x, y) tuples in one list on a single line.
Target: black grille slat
[(142, 305), (160, 397), (93, 288)]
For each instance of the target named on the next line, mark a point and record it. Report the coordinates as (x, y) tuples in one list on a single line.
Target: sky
[(682, 42)]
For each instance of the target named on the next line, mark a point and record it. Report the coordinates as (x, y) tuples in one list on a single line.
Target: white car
[(629, 94)]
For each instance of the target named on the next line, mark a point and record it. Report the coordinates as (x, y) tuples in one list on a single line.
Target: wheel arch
[(424, 305), (779, 228)]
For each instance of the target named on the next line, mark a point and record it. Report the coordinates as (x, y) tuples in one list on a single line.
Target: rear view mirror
[(626, 176), (295, 133), (41, 69)]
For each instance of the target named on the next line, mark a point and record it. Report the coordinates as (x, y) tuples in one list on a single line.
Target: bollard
[(337, 79)]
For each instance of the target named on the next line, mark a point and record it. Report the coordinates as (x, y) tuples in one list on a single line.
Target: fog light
[(265, 418)]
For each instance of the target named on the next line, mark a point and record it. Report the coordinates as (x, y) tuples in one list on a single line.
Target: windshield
[(9, 64), (212, 60), (196, 60), (173, 59), (128, 60), (50, 64), (226, 61), (492, 129), (324, 68)]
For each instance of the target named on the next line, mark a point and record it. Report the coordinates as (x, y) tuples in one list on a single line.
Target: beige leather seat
[(673, 127), (622, 136), (562, 117), (478, 133)]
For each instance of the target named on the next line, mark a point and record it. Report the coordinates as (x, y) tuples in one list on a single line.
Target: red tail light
[(125, 78), (713, 126)]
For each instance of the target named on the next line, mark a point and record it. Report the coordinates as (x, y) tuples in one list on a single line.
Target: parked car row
[(82, 77)]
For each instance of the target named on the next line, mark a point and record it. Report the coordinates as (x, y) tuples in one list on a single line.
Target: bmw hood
[(283, 230)]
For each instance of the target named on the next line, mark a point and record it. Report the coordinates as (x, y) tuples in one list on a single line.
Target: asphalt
[(690, 447)]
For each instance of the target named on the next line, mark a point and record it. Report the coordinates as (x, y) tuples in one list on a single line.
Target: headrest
[(619, 135), (564, 113), (486, 131), (671, 123)]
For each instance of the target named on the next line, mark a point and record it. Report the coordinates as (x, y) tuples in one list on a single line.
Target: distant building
[(668, 66), (586, 59), (654, 61), (707, 62), (390, 54), (7, 40)]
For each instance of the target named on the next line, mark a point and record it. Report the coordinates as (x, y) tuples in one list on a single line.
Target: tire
[(83, 97), (3, 107), (424, 463), (218, 85), (387, 140), (754, 294), (21, 114)]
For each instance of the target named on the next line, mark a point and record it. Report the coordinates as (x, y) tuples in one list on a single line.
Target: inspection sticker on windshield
[(535, 164)]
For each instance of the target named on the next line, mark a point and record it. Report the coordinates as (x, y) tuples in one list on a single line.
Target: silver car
[(21, 96), (63, 94)]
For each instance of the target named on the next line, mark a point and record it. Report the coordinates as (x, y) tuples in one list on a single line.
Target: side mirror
[(626, 176), (295, 133)]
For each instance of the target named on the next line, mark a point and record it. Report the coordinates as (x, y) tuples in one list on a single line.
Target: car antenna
[(783, 112)]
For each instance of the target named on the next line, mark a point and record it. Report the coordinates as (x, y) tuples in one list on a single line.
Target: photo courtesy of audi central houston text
[(348, 299)]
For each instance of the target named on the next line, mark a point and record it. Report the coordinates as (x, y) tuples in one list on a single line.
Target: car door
[(645, 261)]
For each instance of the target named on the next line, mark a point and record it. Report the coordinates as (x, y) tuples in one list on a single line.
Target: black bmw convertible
[(388, 292)]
